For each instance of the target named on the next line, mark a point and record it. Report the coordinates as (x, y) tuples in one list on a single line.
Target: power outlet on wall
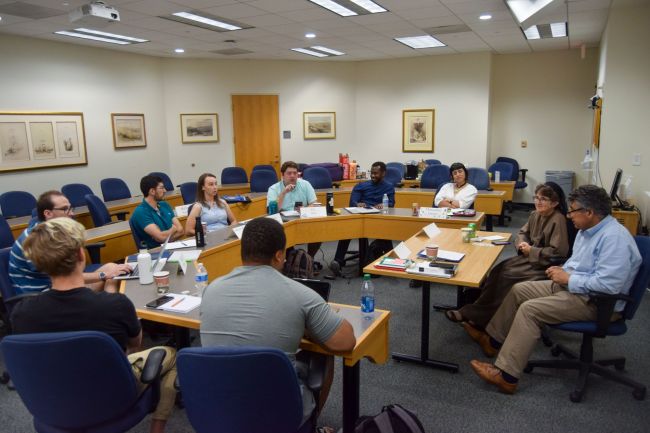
[(524, 143), (636, 159)]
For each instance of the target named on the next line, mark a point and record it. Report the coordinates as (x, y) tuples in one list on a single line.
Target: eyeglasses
[(64, 209), (541, 198), (575, 210)]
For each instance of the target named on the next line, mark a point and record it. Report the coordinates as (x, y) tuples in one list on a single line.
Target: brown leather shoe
[(482, 338), (492, 375)]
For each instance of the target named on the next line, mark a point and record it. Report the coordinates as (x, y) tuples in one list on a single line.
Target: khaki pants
[(528, 306), (167, 378)]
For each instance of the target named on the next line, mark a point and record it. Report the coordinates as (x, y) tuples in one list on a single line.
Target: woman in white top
[(213, 211), (457, 194)]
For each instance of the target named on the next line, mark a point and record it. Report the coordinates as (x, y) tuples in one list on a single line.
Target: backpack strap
[(382, 421), (295, 264), (406, 418)]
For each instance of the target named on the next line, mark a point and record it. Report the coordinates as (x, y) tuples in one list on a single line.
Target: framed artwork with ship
[(41, 140)]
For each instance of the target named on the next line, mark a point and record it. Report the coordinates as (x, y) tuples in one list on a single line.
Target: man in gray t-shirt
[(256, 305)]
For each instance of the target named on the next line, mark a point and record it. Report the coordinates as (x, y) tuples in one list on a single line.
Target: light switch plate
[(636, 159), (524, 143)]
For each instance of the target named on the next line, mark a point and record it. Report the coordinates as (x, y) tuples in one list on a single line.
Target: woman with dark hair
[(213, 211), (544, 235), (456, 194)]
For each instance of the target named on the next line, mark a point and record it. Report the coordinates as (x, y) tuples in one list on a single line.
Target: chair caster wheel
[(528, 369), (555, 351), (639, 394), (620, 366), (4, 378), (576, 396)]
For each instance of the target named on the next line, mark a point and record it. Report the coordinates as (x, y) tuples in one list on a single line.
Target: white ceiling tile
[(588, 5), (313, 14), (477, 7), (267, 20), (276, 6), (152, 7), (399, 5), (549, 44), (428, 12), (201, 4), (235, 11), (425, 23), (374, 19)]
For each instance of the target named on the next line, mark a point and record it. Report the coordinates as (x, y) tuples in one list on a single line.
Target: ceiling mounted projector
[(96, 14)]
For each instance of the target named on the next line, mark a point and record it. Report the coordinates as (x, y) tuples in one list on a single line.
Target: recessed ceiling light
[(485, 17), (179, 50), (110, 35), (206, 20), (546, 31), (310, 35), (370, 6), (328, 50), (558, 30), (94, 38), (418, 42), (335, 7), (310, 52)]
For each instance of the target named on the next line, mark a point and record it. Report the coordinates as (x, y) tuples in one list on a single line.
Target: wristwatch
[(102, 276)]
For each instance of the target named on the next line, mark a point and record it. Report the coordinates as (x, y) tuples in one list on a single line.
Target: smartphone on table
[(159, 301)]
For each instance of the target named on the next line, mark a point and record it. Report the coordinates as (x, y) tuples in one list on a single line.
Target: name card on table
[(277, 217), (432, 230), (238, 231), (433, 212), (313, 212), (182, 211), (402, 251)]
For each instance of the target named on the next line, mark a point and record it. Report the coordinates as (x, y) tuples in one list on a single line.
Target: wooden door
[(256, 130)]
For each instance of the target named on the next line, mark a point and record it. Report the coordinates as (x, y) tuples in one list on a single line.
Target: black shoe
[(335, 267), (415, 284)]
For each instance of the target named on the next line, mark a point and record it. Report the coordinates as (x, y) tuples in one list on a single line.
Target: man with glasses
[(22, 273), (605, 259), (153, 220)]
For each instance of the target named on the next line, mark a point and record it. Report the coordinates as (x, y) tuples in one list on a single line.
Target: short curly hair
[(53, 246), (593, 198), (261, 239)]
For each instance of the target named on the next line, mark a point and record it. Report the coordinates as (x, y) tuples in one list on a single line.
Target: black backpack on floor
[(392, 419), (298, 264)]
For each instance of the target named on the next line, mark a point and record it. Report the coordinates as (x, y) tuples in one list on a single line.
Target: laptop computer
[(155, 266)]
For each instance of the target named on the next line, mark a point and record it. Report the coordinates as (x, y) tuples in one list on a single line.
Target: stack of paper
[(181, 303), (444, 255), (362, 210), (393, 263)]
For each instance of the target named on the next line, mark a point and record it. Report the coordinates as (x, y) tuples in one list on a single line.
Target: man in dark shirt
[(56, 247), (365, 194)]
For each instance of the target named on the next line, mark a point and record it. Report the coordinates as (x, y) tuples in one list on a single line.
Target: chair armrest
[(336, 185), (605, 303), (523, 172), (177, 384), (557, 260), (399, 185), (316, 372), (94, 251), (153, 366), (120, 215)]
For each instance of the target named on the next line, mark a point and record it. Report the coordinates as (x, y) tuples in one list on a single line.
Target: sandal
[(454, 316), (325, 430)]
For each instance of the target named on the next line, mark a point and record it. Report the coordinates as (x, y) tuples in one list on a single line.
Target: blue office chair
[(90, 376), (139, 243), (600, 328), (75, 193), (434, 176), (231, 175), (432, 161), (9, 299), (169, 185), (505, 170), (99, 211), (394, 177), (479, 178), (319, 177), (188, 192), (6, 236), (263, 167), (398, 165), (240, 390), (114, 189), (261, 180), (16, 204), (516, 171)]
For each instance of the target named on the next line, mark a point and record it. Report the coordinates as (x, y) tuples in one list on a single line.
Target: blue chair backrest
[(70, 380), (169, 185), (478, 177), (505, 170), (432, 161), (16, 203), (6, 236), (319, 177), (139, 243), (114, 189), (233, 175), (642, 279), (435, 176), (261, 180), (398, 165), (263, 167), (97, 209), (76, 193), (335, 170), (188, 192), (393, 176), (6, 288), (515, 167), (239, 389)]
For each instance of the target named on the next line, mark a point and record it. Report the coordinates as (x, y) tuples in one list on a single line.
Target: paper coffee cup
[(162, 281), (432, 251)]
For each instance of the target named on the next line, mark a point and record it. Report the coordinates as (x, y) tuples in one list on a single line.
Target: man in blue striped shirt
[(22, 273), (605, 259)]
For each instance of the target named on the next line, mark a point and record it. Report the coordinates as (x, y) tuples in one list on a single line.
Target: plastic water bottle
[(384, 204), (200, 279), (144, 267), (497, 176), (367, 298)]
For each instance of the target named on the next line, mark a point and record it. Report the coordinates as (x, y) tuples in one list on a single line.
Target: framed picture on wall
[(200, 128), (418, 130), (318, 125), (41, 140), (128, 130)]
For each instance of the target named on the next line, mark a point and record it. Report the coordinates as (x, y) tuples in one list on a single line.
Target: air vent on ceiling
[(231, 51), (27, 10), (445, 30)]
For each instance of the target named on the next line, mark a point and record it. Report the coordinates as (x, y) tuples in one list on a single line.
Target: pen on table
[(178, 301)]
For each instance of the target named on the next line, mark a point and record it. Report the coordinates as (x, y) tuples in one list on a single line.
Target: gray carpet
[(460, 402)]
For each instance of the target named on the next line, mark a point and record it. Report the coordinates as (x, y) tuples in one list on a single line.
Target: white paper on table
[(186, 243), (433, 212), (238, 231), (492, 238), (402, 251), (184, 256), (450, 256), (313, 212), (182, 210), (183, 265), (355, 210), (181, 303), (290, 213), (432, 230), (275, 216)]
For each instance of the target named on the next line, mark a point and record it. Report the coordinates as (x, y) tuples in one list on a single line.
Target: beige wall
[(542, 98)]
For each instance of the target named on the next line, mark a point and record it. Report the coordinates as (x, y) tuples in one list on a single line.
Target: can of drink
[(416, 209)]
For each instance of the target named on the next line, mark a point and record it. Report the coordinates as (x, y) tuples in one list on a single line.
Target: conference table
[(472, 270)]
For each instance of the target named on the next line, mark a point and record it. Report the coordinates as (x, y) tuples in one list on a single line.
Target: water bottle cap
[(366, 276), (143, 251)]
